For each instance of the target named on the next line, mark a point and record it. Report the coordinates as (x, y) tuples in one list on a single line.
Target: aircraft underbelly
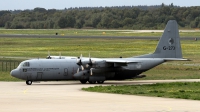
[(127, 74)]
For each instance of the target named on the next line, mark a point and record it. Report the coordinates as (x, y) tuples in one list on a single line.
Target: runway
[(68, 96), (105, 37)]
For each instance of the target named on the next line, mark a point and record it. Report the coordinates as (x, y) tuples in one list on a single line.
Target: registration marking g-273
[(169, 47)]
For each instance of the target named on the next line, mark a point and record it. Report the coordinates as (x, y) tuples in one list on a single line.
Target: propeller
[(79, 62), (82, 63), (49, 56), (89, 63)]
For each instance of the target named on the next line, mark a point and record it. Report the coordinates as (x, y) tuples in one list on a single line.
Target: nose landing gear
[(28, 82)]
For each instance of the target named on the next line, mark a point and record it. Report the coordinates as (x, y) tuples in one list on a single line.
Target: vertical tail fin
[(169, 45)]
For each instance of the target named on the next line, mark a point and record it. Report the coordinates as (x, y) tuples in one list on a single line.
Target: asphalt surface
[(108, 37), (68, 97)]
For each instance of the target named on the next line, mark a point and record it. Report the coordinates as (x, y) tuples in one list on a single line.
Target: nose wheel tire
[(28, 82)]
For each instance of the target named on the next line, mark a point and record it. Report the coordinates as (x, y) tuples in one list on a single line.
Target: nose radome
[(15, 73)]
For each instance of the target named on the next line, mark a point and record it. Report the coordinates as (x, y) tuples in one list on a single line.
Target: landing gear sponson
[(29, 82), (91, 82)]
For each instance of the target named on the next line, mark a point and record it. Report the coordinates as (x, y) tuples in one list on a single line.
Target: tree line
[(126, 17)]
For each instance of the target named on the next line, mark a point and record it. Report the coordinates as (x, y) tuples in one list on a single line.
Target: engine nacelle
[(81, 75), (101, 64)]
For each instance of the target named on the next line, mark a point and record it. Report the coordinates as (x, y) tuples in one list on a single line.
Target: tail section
[(169, 45)]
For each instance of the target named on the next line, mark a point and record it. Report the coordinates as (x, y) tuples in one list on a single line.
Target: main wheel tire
[(83, 81), (28, 82), (100, 82), (92, 82)]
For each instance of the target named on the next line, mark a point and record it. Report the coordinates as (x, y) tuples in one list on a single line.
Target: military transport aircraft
[(98, 70)]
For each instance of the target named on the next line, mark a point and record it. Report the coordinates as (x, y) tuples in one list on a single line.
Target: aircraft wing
[(120, 61), (137, 61)]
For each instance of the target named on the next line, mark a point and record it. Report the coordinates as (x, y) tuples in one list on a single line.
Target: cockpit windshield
[(24, 64)]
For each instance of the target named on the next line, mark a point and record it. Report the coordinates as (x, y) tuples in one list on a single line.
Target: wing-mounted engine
[(101, 64), (82, 75), (89, 67), (88, 63)]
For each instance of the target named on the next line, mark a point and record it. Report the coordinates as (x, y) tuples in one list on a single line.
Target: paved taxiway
[(68, 96)]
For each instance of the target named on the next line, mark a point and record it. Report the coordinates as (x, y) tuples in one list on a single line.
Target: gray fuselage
[(65, 69)]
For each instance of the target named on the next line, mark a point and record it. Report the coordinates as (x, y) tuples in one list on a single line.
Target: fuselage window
[(26, 64)]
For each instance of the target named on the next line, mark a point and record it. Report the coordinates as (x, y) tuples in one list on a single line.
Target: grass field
[(91, 32), (183, 90)]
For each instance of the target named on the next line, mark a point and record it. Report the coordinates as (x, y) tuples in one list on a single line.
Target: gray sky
[(61, 4)]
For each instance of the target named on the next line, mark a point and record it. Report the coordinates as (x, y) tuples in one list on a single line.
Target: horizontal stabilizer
[(176, 59)]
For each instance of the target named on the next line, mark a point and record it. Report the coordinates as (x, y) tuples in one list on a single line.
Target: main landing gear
[(100, 82), (83, 81), (91, 82), (28, 82)]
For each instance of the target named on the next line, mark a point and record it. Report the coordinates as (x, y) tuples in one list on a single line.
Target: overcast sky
[(61, 4)]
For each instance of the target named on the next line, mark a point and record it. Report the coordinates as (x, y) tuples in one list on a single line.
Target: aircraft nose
[(15, 73)]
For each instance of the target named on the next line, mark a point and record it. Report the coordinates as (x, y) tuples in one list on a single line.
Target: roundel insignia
[(171, 41)]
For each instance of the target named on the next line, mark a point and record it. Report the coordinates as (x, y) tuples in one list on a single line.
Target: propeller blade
[(49, 56), (82, 68), (78, 70), (81, 56), (90, 60), (48, 53), (91, 73), (79, 60)]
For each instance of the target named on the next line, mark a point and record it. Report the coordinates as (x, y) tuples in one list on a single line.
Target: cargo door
[(65, 72)]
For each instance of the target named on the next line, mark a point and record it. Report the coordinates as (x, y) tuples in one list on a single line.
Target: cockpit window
[(26, 64)]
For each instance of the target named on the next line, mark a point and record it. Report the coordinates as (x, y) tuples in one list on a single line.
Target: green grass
[(5, 76), (39, 47), (183, 90), (89, 32)]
